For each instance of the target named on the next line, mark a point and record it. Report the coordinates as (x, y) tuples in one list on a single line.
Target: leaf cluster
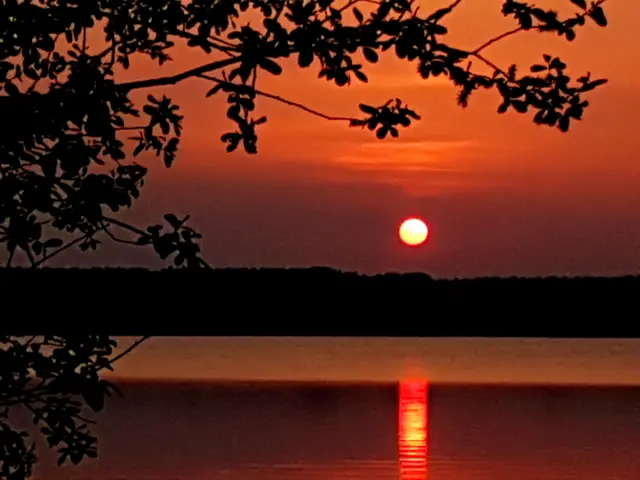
[(56, 379)]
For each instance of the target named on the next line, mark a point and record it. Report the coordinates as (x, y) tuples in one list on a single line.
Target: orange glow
[(412, 430), (413, 232)]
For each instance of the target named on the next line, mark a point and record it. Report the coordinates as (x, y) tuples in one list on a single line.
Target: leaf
[(150, 110), (382, 132), (342, 78), (173, 220), (270, 66), (214, 90), (124, 61), (358, 14), (368, 109), (519, 106), (53, 243), (361, 76), (11, 89), (539, 118), (598, 16), (370, 54), (563, 123), (594, 84), (163, 248), (94, 397), (580, 3), (139, 148), (143, 240), (170, 150), (537, 68), (305, 58)]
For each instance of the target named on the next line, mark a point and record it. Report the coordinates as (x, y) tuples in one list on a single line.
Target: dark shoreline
[(320, 302)]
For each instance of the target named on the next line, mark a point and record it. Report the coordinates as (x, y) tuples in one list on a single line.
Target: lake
[(359, 426)]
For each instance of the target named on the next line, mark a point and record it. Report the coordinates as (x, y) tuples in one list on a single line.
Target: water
[(450, 360), (409, 429)]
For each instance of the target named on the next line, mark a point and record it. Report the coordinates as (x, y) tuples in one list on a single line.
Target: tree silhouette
[(67, 149), (56, 379)]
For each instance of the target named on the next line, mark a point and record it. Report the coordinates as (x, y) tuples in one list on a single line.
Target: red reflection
[(412, 430)]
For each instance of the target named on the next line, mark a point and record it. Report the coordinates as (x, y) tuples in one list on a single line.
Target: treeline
[(318, 301)]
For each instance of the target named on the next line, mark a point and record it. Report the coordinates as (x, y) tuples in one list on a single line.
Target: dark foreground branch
[(173, 79)]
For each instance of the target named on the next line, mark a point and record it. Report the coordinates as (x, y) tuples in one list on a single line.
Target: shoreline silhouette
[(323, 301)]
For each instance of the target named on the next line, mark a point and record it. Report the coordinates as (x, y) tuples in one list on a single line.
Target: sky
[(501, 195)]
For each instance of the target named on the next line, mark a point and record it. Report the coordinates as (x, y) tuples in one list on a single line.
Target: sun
[(413, 232)]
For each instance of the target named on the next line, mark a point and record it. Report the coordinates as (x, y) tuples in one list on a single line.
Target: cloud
[(420, 167), (409, 149)]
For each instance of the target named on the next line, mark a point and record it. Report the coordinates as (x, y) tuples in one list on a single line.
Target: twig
[(497, 39), (125, 352), (126, 226), (138, 231), (281, 99), (62, 249), (12, 252), (118, 239), (520, 29)]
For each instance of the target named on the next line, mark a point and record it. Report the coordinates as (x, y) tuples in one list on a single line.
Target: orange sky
[(501, 195)]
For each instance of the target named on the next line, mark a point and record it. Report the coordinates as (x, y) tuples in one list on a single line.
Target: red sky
[(501, 195)]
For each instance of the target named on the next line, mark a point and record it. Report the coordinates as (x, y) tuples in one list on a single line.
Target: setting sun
[(413, 232)]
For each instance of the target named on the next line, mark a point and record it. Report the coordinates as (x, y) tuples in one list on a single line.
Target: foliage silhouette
[(64, 154), (56, 379)]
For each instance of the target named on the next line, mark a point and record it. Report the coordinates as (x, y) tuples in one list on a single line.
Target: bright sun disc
[(413, 232)]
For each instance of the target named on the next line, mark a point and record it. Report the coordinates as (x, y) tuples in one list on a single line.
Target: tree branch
[(497, 39), (490, 63), (12, 252), (62, 249), (125, 352), (280, 99), (520, 29), (140, 232), (213, 42), (124, 225), (117, 239), (172, 80)]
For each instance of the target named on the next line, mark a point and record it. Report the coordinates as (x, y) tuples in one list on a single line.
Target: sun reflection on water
[(412, 430)]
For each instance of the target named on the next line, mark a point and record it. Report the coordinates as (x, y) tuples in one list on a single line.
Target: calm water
[(404, 430)]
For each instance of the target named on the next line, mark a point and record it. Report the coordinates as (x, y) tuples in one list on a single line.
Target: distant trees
[(56, 379), (72, 130)]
